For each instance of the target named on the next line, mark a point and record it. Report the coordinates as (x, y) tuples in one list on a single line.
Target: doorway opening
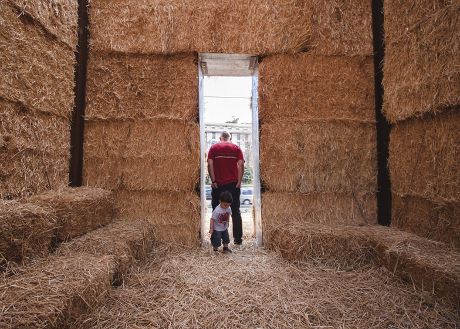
[(228, 91)]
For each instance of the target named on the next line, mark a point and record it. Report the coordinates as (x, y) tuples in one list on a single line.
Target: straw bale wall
[(55, 291), (78, 210), (318, 139), (421, 71), (142, 139), (161, 26), (26, 231), (342, 28), (426, 178), (38, 40)]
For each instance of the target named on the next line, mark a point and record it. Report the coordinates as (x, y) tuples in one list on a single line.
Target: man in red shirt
[(226, 167)]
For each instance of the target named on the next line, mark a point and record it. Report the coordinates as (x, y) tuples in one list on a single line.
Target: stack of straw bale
[(38, 40), (318, 159), (427, 264), (342, 27), (168, 27), (55, 292), (126, 241), (422, 98), (78, 210), (26, 231), (142, 139)]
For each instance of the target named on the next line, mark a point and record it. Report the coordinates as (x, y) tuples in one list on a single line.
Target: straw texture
[(26, 231), (161, 26), (58, 17), (79, 210), (138, 87), (318, 157), (424, 158), (255, 288), (312, 87), (342, 28), (53, 293), (429, 219), (126, 241), (427, 264), (320, 208), (421, 71), (27, 53), (174, 215)]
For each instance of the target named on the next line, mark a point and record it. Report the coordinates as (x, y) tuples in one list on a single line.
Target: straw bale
[(53, 293), (318, 208), (157, 137), (421, 72), (22, 129), (28, 172), (424, 158), (256, 288), (337, 157), (311, 87), (426, 264), (342, 28), (36, 70), (436, 221), (79, 210), (26, 230), (142, 86), (58, 17), (126, 240), (143, 173), (175, 215), (162, 26), (339, 247)]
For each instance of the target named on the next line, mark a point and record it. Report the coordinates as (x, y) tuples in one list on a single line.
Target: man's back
[(225, 156)]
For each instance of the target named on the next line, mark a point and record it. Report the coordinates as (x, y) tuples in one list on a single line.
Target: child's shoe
[(227, 250), (215, 249)]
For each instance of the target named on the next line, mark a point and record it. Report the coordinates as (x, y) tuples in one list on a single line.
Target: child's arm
[(211, 225)]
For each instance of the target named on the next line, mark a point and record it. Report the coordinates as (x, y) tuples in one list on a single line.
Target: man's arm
[(211, 173), (240, 165)]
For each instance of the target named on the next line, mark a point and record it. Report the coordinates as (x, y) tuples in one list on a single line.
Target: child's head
[(226, 199)]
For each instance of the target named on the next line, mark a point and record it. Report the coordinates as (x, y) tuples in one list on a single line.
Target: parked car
[(208, 193), (246, 196)]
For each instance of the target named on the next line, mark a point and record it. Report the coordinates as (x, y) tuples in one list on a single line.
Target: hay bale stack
[(53, 293), (421, 72), (38, 41), (318, 158), (79, 210), (427, 264), (126, 241), (142, 140), (425, 176), (342, 28), (161, 26), (26, 230), (313, 87)]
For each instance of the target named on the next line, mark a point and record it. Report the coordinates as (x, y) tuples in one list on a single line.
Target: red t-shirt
[(225, 157)]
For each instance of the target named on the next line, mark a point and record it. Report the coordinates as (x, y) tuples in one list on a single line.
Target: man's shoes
[(227, 250), (239, 243)]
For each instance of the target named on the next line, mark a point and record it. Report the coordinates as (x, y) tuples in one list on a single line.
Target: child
[(219, 222)]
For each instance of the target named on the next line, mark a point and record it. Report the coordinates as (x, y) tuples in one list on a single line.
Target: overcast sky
[(227, 97)]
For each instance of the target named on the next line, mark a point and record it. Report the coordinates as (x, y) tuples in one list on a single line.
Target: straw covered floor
[(254, 288)]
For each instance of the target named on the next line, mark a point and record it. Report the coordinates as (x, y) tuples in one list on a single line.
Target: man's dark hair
[(226, 196)]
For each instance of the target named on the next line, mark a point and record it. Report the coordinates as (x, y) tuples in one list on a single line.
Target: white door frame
[(255, 160)]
